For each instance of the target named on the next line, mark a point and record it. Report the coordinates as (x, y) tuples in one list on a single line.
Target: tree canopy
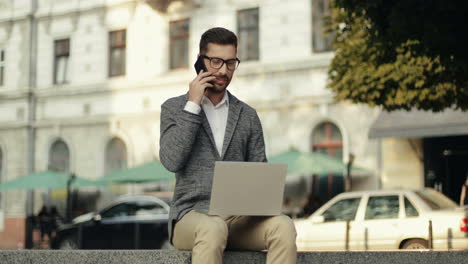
[(400, 54)]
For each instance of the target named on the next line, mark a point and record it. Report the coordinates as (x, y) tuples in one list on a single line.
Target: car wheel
[(415, 244), (68, 243), (167, 245)]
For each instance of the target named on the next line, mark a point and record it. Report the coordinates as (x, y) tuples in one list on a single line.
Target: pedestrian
[(56, 218), (44, 220), (205, 125), (463, 196)]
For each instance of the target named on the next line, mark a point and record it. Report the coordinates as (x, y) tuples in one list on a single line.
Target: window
[(148, 208), (410, 210), (61, 57), (1, 174), (327, 139), (2, 67), (320, 41), (134, 208), (116, 155), (120, 210), (1, 165), (382, 207), (343, 210), (247, 25), (117, 49), (179, 36), (59, 156)]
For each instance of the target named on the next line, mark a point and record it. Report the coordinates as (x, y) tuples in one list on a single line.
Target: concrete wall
[(230, 257), (403, 166), (12, 235)]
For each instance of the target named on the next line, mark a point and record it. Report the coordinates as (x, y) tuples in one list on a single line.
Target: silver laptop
[(247, 188)]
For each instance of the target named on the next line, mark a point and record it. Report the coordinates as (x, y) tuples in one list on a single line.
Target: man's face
[(223, 75)]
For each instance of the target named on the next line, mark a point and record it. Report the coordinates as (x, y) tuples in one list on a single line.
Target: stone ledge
[(231, 257)]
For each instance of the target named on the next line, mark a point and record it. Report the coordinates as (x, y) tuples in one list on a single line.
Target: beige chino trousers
[(207, 236)]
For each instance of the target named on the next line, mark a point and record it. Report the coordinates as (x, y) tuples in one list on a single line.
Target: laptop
[(247, 188)]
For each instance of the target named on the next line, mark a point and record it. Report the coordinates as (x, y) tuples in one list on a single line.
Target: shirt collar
[(225, 100)]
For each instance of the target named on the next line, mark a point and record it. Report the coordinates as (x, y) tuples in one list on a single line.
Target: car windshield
[(436, 200), (343, 210)]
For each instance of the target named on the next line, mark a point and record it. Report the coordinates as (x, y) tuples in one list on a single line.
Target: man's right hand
[(198, 85)]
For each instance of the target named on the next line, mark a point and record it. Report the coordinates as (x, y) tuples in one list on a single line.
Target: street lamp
[(31, 130)]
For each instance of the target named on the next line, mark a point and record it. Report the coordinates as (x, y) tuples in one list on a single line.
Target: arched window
[(59, 156), (327, 139), (116, 155)]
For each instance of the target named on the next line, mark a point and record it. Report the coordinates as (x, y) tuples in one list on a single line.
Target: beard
[(216, 89), (219, 88)]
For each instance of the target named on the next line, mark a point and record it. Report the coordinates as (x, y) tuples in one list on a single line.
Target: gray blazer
[(187, 147)]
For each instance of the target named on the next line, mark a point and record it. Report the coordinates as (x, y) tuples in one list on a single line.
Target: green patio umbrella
[(46, 180), (152, 171), (310, 163)]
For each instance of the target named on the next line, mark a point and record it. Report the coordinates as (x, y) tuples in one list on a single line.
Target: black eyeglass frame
[(224, 62)]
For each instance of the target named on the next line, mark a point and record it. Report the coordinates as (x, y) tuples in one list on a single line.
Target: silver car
[(385, 220)]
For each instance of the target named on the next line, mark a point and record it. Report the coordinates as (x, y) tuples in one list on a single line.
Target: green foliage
[(400, 54)]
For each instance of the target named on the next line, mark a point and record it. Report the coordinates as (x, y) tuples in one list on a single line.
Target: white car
[(385, 220)]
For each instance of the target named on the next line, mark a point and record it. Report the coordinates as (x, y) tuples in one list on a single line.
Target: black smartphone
[(200, 65)]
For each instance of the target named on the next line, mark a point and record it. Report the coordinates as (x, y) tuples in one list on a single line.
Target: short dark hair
[(217, 35)]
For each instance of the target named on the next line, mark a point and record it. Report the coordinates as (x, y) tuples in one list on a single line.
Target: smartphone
[(200, 65)]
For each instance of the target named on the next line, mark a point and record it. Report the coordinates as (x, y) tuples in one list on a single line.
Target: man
[(205, 125)]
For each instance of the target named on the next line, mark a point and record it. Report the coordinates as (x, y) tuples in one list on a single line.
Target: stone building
[(98, 71)]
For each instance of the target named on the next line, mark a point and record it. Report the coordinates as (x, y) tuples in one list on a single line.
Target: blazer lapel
[(207, 128), (233, 117)]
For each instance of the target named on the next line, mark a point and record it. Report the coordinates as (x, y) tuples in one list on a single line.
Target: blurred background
[(82, 82)]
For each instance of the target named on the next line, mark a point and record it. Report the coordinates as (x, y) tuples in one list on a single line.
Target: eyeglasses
[(217, 63)]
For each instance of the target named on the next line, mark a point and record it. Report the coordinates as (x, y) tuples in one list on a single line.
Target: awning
[(419, 124), (152, 171), (309, 163), (47, 180)]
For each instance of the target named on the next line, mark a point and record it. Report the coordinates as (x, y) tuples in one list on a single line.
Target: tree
[(400, 54)]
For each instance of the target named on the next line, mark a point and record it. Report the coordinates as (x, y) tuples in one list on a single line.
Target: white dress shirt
[(216, 115)]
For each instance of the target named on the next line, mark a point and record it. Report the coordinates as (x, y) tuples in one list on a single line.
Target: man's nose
[(223, 69)]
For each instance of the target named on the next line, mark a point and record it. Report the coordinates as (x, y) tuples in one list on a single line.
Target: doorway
[(446, 164)]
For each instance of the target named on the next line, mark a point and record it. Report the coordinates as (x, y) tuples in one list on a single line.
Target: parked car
[(131, 222), (385, 220)]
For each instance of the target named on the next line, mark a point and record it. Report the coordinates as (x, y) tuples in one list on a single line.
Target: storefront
[(436, 144)]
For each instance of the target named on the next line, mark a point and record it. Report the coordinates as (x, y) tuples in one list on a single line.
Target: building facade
[(103, 68), (431, 147)]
